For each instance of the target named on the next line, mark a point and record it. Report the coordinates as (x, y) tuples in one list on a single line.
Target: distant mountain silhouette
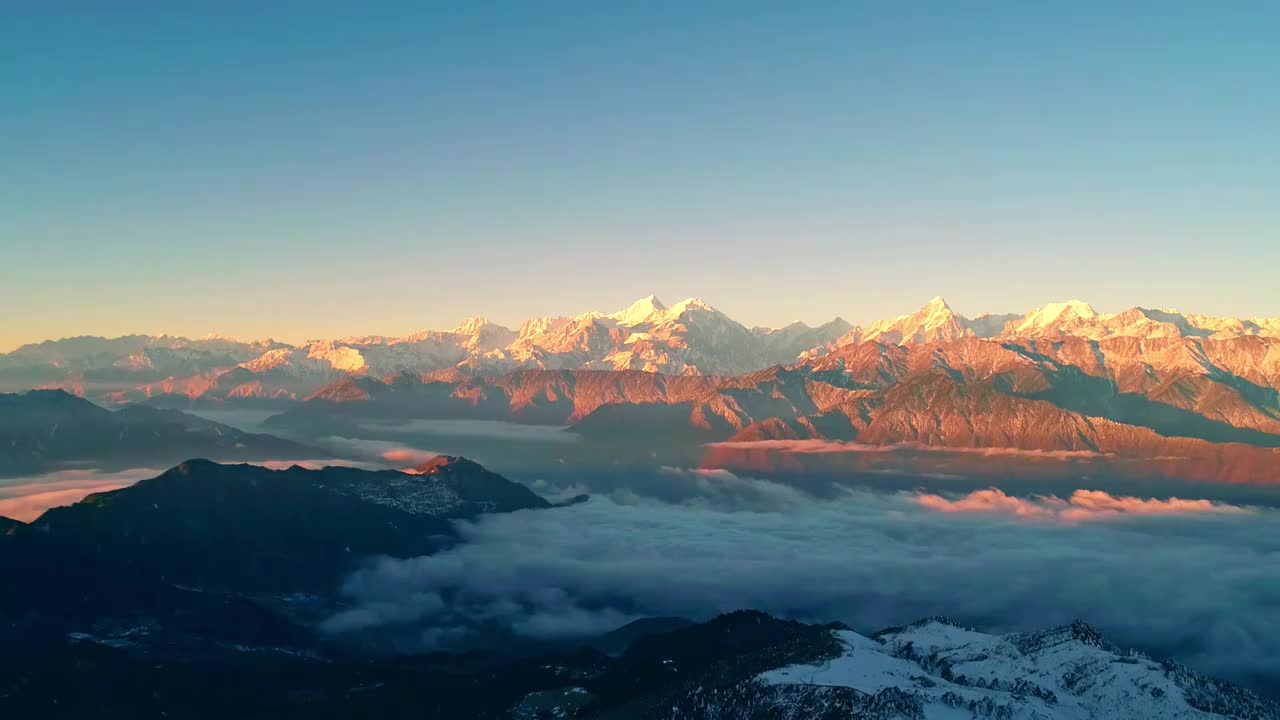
[(45, 429)]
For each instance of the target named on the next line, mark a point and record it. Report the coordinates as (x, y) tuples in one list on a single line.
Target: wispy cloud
[(379, 453)]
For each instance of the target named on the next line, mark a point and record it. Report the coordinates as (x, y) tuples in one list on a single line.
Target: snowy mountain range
[(1191, 408), (936, 669), (936, 322), (688, 338)]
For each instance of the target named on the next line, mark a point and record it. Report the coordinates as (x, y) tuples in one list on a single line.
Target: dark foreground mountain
[(44, 430), (209, 556), (740, 666)]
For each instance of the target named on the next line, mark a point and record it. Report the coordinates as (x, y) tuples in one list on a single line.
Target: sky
[(309, 169)]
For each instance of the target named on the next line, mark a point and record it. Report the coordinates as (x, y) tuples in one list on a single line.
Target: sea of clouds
[(1192, 579)]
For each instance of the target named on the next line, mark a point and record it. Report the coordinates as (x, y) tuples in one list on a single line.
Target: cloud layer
[(491, 429), (27, 498), (1083, 505), (823, 447), (1199, 582)]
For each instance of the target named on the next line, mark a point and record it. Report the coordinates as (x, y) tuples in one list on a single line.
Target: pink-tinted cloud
[(27, 498), (833, 446), (1091, 504), (380, 454), (408, 456), (993, 501), (30, 507), (1082, 506)]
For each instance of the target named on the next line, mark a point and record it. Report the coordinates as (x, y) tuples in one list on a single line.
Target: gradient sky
[(329, 168)]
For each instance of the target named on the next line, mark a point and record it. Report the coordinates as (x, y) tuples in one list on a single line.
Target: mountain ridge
[(1171, 407), (214, 567), (43, 430), (931, 667), (745, 665), (689, 337)]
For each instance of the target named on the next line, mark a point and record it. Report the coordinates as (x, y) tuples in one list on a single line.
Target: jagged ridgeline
[(688, 338)]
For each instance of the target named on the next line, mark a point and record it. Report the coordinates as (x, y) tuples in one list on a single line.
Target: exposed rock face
[(1078, 319), (1200, 408), (932, 323)]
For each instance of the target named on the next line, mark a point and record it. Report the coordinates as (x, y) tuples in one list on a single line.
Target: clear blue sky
[(328, 168)]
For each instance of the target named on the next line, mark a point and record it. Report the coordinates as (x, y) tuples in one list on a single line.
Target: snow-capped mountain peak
[(689, 337), (1056, 314), (540, 326), (483, 335), (646, 309), (471, 325), (933, 322), (278, 357), (937, 304), (691, 303), (339, 357)]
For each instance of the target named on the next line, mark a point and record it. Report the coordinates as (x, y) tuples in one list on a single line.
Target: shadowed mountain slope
[(42, 430)]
